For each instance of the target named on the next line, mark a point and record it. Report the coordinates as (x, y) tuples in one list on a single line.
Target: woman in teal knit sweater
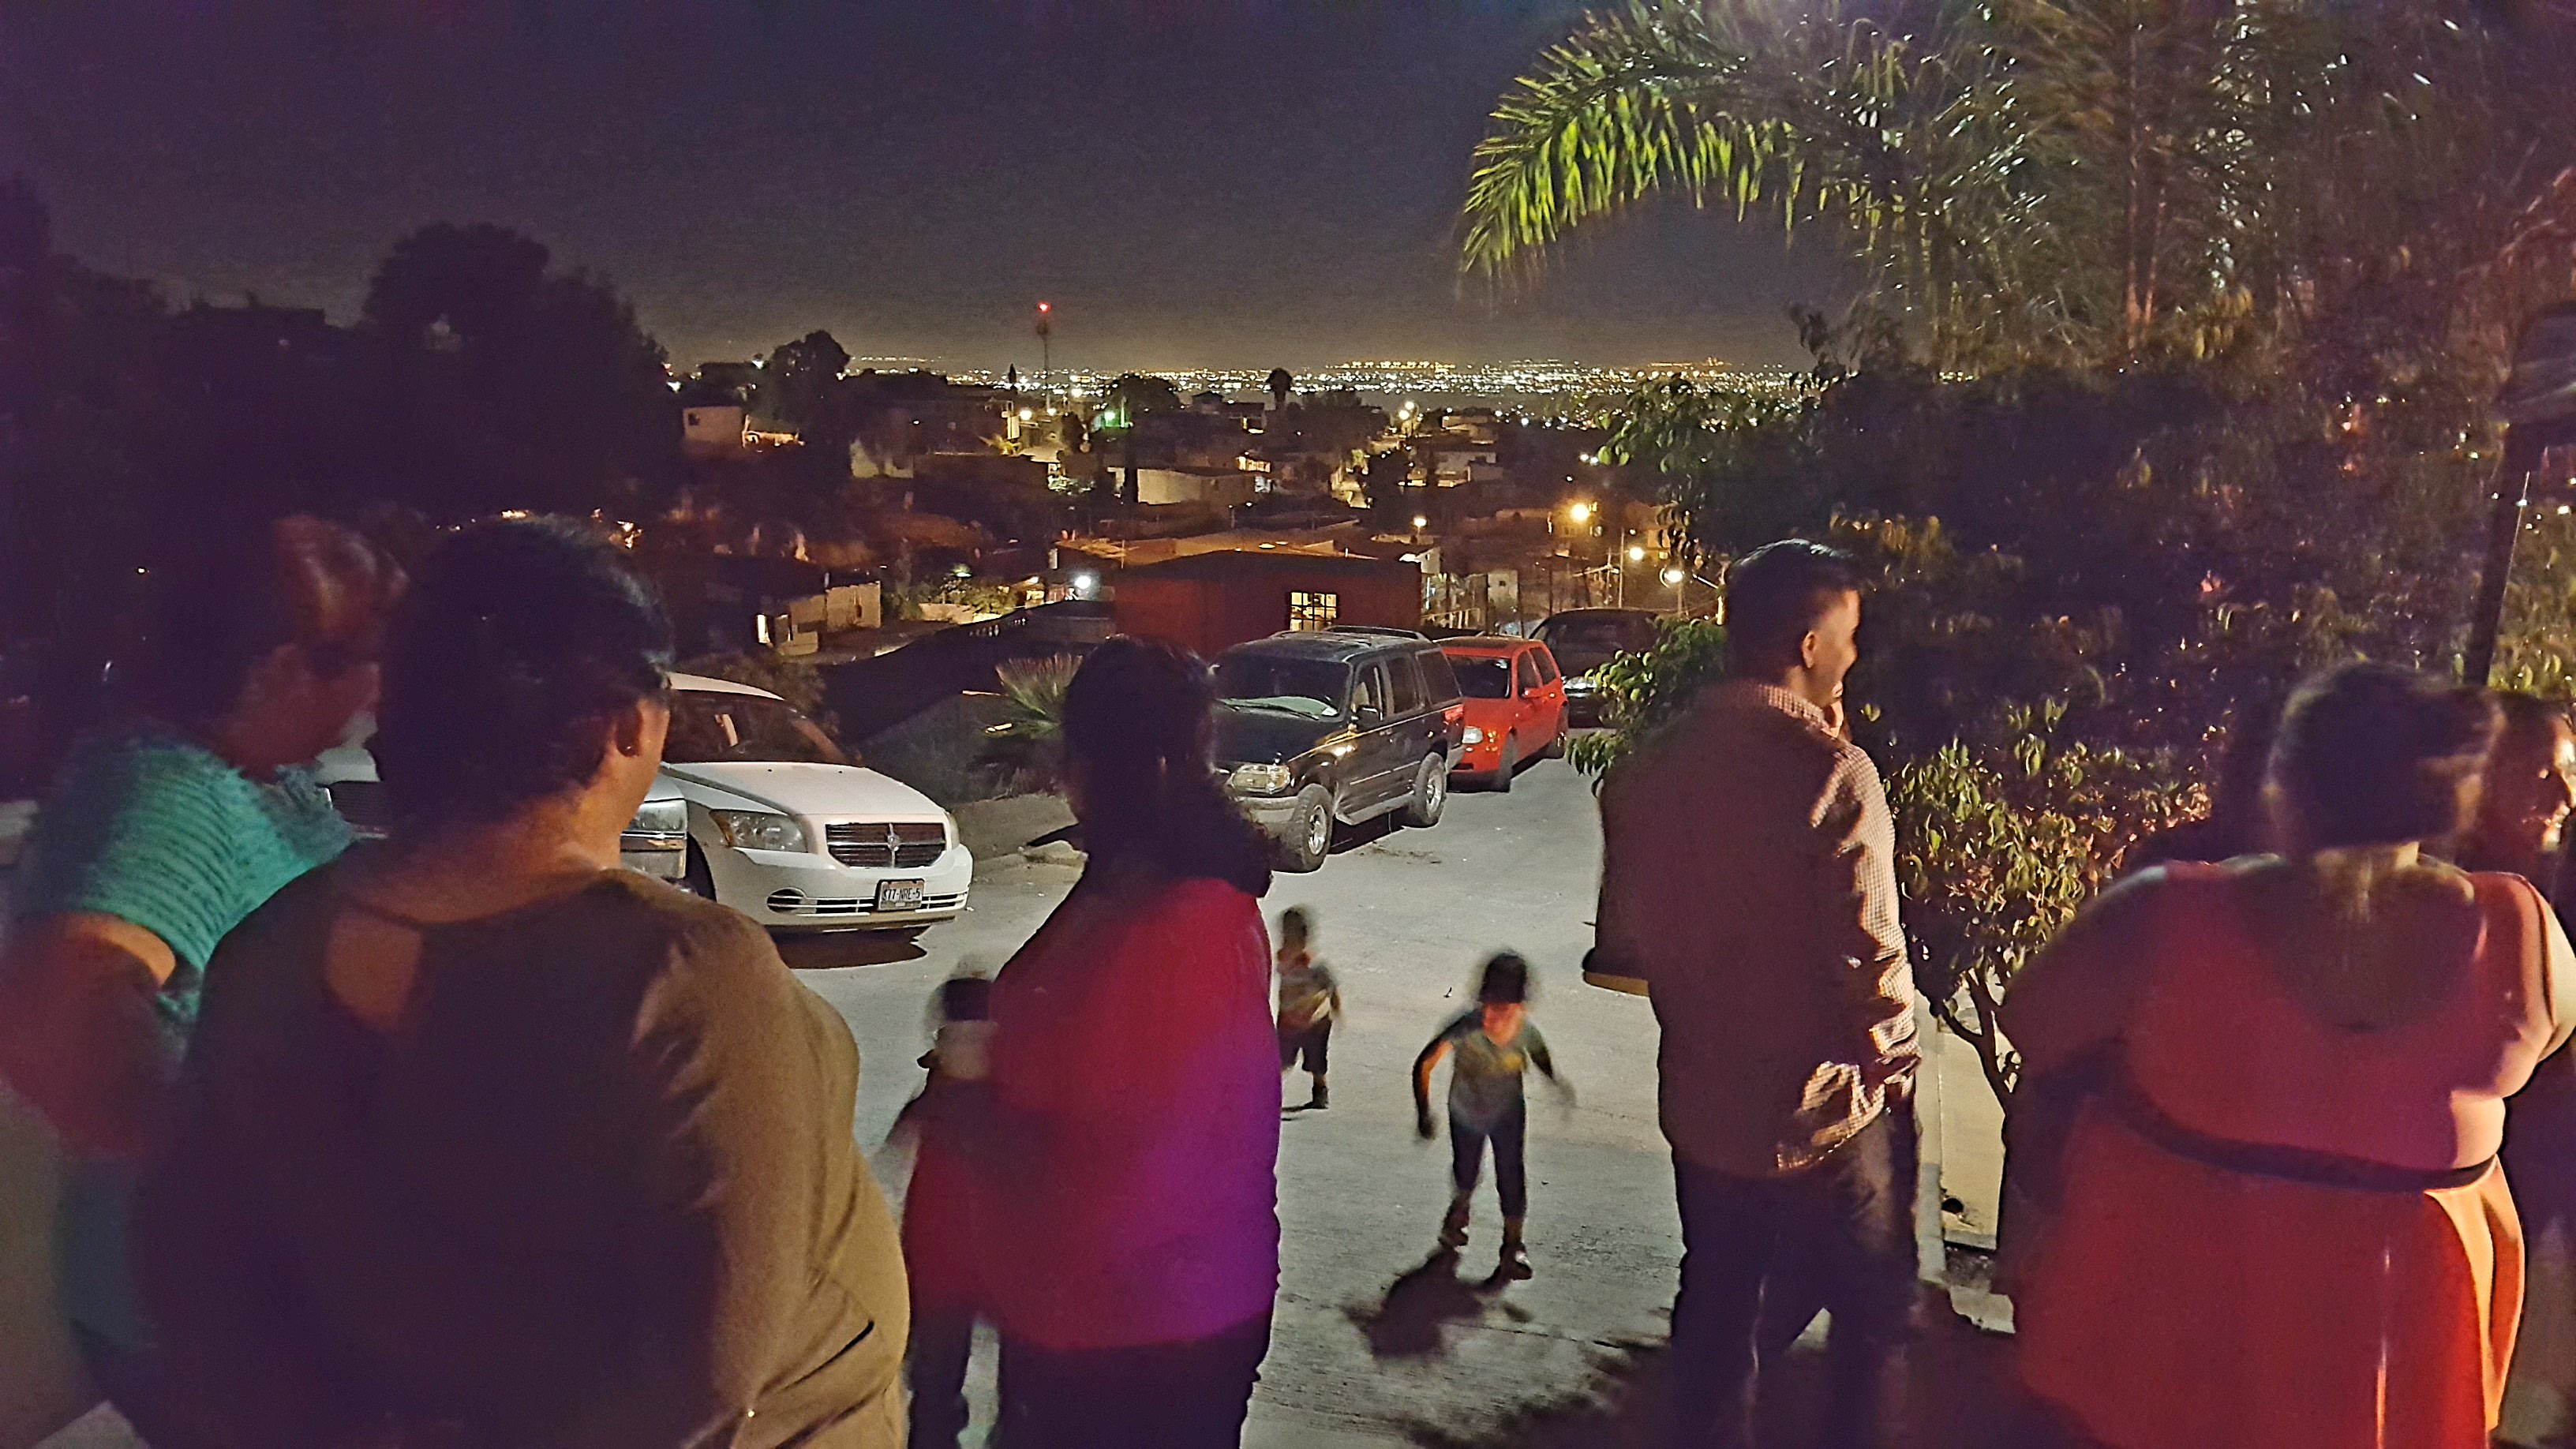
[(155, 841)]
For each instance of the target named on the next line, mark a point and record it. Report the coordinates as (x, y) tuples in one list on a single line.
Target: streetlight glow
[(1580, 512), (1674, 577), (1026, 414), (1421, 522), (1083, 584), (1636, 553)]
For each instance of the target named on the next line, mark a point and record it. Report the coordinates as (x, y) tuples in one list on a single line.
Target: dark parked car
[(1338, 725), (1585, 639)]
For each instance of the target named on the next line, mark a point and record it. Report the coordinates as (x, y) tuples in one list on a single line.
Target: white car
[(783, 828), (758, 809)]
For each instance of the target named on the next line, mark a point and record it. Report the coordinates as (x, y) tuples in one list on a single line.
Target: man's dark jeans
[(1839, 1235)]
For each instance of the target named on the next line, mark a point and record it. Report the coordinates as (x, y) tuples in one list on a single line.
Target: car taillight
[(1454, 713)]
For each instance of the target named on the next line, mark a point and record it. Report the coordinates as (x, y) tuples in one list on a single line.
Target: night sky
[(1192, 182)]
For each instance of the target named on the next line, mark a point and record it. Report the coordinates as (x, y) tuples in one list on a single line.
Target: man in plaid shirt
[(1748, 886)]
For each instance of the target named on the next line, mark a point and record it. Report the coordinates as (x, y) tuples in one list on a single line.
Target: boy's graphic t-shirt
[(1485, 1075), (1305, 993)]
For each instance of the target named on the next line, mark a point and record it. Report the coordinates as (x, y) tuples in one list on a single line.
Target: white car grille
[(887, 845)]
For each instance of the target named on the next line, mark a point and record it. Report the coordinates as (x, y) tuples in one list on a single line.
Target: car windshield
[(1307, 687), (709, 728), (1482, 676)]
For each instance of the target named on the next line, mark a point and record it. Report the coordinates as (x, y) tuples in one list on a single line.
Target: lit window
[(1311, 613)]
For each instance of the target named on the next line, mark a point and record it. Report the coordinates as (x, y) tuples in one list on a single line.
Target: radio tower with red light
[(1046, 355)]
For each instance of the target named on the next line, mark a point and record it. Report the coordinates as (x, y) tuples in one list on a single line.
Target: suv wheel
[(1310, 832), (1430, 793)]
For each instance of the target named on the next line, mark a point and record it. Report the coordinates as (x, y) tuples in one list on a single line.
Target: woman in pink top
[(1133, 1246), (2277, 1220)]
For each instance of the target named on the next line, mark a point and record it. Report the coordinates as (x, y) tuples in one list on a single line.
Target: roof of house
[(1237, 563)]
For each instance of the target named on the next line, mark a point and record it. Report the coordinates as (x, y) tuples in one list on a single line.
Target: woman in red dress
[(2277, 1221)]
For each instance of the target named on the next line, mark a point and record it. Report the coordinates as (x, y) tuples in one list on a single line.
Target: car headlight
[(1474, 736), (759, 830), (1262, 779)]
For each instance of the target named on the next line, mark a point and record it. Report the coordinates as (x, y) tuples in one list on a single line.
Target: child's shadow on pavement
[(1409, 1323)]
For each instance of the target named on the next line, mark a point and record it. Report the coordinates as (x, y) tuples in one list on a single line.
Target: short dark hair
[(966, 998), (1140, 719), (243, 595), (1505, 979), (1296, 924), (523, 640), (2374, 754), (1776, 595)]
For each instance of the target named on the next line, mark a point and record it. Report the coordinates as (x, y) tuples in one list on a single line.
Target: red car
[(1515, 698)]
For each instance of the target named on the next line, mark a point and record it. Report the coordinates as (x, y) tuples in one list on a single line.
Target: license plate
[(899, 895)]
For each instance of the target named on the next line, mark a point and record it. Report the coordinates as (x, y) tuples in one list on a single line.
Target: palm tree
[(1280, 385), (2063, 181)]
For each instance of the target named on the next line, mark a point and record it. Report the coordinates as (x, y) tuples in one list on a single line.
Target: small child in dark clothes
[(939, 1253), (1491, 1046), (1310, 1000)]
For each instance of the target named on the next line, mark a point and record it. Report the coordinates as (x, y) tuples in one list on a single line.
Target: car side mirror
[(1368, 714)]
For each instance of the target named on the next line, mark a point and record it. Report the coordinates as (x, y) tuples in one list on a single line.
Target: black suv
[(1338, 725)]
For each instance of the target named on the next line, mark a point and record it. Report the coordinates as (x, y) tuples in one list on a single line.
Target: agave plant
[(1023, 743)]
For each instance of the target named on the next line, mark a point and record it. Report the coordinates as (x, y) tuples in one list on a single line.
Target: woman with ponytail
[(1134, 1250), (2278, 1221)]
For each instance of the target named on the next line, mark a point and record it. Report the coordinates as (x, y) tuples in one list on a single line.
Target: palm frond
[(1643, 99)]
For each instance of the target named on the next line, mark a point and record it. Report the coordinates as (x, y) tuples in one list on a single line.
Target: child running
[(1492, 1046), (939, 1251), (1310, 1001)]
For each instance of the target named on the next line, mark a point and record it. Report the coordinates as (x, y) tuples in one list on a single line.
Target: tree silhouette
[(1280, 385), (496, 383)]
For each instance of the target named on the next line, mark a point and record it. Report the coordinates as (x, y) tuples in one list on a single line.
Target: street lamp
[(1420, 523), (1677, 577), (1636, 553), (1580, 512)]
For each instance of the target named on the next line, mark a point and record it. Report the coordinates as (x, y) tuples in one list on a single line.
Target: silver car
[(654, 843)]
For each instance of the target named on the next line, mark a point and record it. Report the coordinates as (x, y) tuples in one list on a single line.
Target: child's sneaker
[(1323, 1096), (1453, 1228), (1514, 1264)]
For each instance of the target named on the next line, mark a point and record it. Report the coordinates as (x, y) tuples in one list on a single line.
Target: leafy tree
[(1640, 693), (2078, 183), (1134, 395), (801, 385), (501, 384), (1996, 849)]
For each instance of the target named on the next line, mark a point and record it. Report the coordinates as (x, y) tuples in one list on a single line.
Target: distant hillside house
[(1212, 601), (1220, 487), (714, 430)]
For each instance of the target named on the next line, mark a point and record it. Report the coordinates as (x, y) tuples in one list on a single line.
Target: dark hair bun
[(507, 663), (2372, 754), (1139, 722)]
